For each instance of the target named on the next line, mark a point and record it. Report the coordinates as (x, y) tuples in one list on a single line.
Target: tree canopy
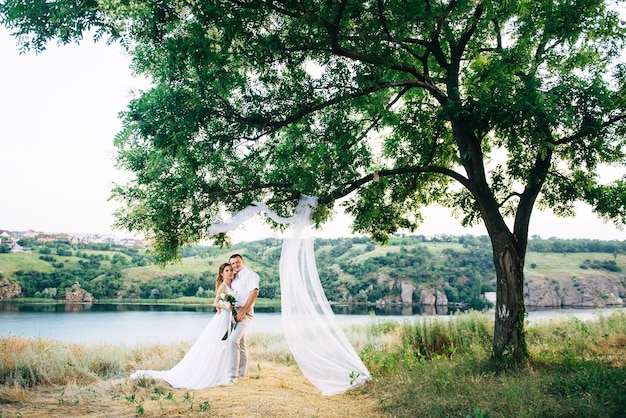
[(264, 100), (480, 106)]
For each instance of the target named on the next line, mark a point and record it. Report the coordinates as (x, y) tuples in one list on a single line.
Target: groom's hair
[(235, 256)]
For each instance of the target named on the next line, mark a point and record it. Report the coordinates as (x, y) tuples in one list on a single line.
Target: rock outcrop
[(77, 294), (440, 298), (407, 293), (8, 290), (433, 297), (427, 297), (585, 291)]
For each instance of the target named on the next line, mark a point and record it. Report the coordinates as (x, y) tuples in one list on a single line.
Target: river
[(139, 324)]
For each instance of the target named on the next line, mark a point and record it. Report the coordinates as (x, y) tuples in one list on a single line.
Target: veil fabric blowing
[(313, 334)]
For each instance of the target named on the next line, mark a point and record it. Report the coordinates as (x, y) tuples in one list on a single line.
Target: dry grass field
[(68, 380), (277, 391)]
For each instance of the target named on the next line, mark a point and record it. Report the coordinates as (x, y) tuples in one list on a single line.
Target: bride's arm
[(216, 301)]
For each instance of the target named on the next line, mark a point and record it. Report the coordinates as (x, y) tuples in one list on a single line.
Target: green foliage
[(416, 100), (556, 245), (464, 274), (96, 267), (609, 265), (36, 23), (176, 286)]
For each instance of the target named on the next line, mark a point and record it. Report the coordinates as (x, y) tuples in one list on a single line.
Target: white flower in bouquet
[(228, 299)]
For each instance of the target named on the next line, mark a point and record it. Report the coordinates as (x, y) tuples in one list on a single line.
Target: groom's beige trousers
[(238, 357)]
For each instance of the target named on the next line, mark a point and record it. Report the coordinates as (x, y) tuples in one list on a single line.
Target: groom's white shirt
[(245, 282)]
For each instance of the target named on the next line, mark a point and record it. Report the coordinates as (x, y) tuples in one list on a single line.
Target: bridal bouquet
[(227, 300)]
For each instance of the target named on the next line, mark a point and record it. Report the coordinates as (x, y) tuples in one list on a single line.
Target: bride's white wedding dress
[(206, 362)]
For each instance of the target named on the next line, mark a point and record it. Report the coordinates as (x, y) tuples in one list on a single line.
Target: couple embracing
[(220, 355), (243, 284)]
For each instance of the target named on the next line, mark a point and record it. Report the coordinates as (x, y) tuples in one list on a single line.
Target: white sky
[(58, 117)]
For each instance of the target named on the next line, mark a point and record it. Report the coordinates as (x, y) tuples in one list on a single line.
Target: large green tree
[(487, 107)]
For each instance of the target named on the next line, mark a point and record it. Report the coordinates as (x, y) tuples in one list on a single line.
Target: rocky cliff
[(591, 290), (72, 294), (577, 291), (8, 290)]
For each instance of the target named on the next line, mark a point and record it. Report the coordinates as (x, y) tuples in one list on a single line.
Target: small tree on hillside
[(486, 107)]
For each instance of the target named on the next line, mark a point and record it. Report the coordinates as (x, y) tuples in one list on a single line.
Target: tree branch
[(383, 24), (294, 117), (378, 119), (339, 193), (467, 35), (509, 197), (580, 135), (333, 32), (496, 28)]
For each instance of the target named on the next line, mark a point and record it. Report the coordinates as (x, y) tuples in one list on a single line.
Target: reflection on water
[(402, 310), (136, 307), (112, 307)]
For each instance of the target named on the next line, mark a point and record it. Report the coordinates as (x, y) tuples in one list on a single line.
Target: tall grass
[(442, 369), (603, 338), (32, 362), (462, 333)]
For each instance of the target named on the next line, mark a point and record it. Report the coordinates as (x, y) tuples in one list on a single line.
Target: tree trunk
[(509, 344)]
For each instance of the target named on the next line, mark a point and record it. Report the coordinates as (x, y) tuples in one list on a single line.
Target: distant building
[(6, 238), (11, 238)]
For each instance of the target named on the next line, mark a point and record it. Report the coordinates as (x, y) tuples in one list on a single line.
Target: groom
[(246, 286)]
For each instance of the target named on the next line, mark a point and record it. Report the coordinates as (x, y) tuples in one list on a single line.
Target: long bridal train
[(206, 362)]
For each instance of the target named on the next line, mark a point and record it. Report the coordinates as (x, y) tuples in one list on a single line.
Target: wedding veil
[(315, 338)]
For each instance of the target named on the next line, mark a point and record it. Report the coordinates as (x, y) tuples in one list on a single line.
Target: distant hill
[(410, 270)]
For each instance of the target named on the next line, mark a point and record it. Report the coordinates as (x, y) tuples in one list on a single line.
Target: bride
[(206, 362)]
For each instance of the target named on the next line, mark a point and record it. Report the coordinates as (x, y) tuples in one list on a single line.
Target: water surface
[(137, 324)]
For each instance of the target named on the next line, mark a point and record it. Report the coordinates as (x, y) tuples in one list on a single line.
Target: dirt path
[(276, 390)]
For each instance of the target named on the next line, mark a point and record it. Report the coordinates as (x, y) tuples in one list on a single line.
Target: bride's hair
[(218, 279)]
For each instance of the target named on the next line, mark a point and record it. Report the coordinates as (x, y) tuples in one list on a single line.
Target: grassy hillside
[(12, 262), (351, 269), (569, 263), (190, 265), (537, 263)]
